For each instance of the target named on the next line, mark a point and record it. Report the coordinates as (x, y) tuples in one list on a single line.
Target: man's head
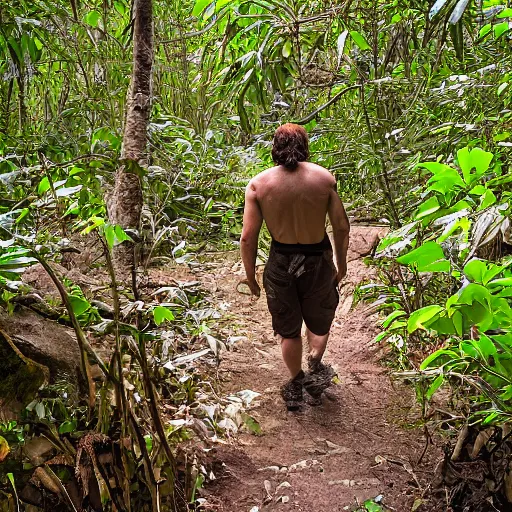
[(290, 145)]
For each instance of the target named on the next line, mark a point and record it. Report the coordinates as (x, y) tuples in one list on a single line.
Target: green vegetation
[(407, 102)]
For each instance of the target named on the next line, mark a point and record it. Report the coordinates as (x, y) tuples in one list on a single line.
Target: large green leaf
[(481, 272), (474, 293), (79, 304), (477, 159), (429, 206), (429, 257), (92, 18), (446, 181), (161, 313), (359, 40), (421, 316), (200, 6), (443, 354)]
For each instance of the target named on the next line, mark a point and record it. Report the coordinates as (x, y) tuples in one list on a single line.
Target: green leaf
[(490, 418), (448, 354), (445, 181), (438, 381), (393, 316), (10, 476), (359, 40), (110, 236), (474, 293), (252, 425), (506, 13), (428, 207), (371, 506), (16, 49), (487, 200), (503, 281), (120, 7), (486, 346), (419, 317), (475, 270), (94, 223), (485, 30), (501, 28), (434, 167), (92, 18), (160, 314), (200, 6), (502, 87), (148, 438), (79, 304), (44, 185), (429, 257), (67, 426), (477, 159), (287, 49), (381, 336), (221, 3)]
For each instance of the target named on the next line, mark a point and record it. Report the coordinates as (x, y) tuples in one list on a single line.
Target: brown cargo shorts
[(300, 283)]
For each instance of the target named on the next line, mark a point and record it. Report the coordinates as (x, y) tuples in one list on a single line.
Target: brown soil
[(358, 445)]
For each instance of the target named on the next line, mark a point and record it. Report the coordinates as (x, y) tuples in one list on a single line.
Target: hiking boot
[(318, 378), (292, 392)]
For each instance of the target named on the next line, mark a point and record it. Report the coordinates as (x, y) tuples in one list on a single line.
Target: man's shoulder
[(321, 172), (263, 176)]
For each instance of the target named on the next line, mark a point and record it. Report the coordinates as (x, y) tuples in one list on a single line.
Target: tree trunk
[(125, 204)]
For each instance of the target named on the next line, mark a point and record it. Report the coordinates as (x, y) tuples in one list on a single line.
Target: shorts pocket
[(331, 299)]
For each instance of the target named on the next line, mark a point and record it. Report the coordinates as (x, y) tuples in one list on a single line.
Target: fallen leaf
[(4, 449), (417, 504), (480, 441), (283, 485)]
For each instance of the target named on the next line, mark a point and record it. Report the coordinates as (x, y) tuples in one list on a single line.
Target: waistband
[(306, 249)]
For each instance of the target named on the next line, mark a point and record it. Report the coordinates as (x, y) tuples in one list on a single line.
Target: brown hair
[(290, 145)]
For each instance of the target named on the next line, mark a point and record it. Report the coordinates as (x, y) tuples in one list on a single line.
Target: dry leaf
[(4, 449), (46, 480), (460, 442), (481, 440)]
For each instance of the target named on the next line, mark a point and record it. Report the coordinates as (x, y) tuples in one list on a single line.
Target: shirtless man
[(300, 279)]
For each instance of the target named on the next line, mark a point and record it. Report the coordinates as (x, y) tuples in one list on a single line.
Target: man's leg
[(319, 376), (292, 354), (317, 345)]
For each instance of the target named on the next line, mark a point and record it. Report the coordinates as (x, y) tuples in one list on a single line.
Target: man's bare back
[(294, 204)]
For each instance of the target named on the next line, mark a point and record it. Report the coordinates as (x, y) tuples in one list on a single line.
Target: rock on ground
[(44, 341)]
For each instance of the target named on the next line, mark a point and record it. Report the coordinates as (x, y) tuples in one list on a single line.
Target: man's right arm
[(253, 219), (341, 230)]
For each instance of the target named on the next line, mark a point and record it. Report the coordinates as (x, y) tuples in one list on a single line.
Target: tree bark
[(125, 204)]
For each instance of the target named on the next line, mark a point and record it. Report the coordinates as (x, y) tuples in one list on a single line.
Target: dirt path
[(354, 447)]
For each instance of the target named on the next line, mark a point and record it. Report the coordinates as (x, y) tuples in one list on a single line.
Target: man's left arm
[(252, 222)]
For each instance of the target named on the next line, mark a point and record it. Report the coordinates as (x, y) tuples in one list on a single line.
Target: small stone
[(364, 482), (276, 469)]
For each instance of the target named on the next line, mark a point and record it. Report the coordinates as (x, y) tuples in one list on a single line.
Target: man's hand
[(342, 272), (254, 287)]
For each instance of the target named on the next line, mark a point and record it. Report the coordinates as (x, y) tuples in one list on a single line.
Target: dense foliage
[(407, 102)]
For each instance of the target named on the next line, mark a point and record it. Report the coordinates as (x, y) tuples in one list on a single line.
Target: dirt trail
[(352, 448)]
